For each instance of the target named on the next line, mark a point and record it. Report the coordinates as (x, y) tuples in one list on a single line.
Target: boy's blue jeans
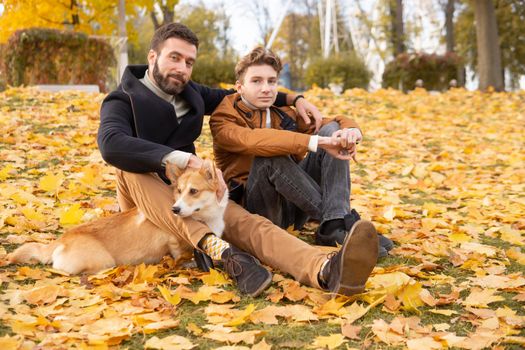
[(288, 193)]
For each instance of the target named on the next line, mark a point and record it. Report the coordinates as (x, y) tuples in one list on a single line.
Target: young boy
[(284, 172)]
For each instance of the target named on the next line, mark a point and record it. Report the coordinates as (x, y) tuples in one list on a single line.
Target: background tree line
[(486, 36)]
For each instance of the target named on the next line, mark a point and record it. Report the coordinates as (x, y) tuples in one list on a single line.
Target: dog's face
[(194, 190)]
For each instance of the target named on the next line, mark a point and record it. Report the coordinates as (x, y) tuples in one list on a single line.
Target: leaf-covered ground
[(442, 175)]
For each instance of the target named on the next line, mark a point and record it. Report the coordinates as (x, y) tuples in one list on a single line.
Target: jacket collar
[(133, 86), (155, 118)]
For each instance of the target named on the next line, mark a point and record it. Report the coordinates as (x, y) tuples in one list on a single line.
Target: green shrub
[(347, 69), (49, 56), (212, 71), (435, 71)]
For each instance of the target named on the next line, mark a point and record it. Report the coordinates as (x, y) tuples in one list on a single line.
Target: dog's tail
[(33, 253)]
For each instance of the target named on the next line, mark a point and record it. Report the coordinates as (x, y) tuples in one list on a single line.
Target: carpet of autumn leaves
[(443, 175)]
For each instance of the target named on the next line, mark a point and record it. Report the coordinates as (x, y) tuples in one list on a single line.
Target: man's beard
[(166, 84)]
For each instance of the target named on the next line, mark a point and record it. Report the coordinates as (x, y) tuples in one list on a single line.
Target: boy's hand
[(333, 147), (348, 138), (307, 111)]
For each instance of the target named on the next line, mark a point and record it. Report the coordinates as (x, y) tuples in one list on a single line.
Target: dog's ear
[(173, 172), (208, 170)]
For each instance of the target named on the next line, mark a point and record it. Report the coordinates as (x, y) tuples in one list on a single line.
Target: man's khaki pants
[(249, 232)]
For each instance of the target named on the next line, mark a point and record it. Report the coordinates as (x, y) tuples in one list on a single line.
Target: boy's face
[(259, 86)]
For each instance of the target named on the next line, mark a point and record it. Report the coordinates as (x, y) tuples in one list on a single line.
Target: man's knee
[(329, 129)]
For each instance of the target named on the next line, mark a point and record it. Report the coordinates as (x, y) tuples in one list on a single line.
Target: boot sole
[(262, 287), (359, 257)]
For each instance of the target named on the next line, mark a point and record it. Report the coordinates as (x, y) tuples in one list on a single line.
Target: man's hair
[(257, 57), (173, 30)]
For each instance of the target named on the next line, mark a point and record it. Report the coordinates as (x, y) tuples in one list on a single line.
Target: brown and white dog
[(197, 193), (128, 238)]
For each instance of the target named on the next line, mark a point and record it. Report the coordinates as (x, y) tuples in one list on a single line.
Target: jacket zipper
[(261, 119), (132, 111)]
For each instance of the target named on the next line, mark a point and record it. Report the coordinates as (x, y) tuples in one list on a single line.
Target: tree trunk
[(449, 26), (154, 19), (75, 19), (123, 53), (489, 54), (398, 31), (168, 14)]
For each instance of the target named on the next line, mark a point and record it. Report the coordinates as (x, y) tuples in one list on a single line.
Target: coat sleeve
[(229, 133), (117, 142)]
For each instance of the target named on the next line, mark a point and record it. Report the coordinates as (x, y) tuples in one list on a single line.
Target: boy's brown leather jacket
[(240, 134)]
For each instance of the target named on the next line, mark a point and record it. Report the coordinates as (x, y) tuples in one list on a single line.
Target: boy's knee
[(271, 161), (329, 129)]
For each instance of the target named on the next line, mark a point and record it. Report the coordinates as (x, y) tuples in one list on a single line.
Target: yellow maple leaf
[(459, 237), (42, 295), (225, 335), (515, 254), (423, 343), (194, 329), (154, 327), (174, 299), (145, 273), (71, 215), (32, 214), (51, 182), (6, 172), (410, 297), (267, 315), (355, 312), (294, 291), (331, 307), (431, 209), (262, 345), (512, 236), (215, 278), (241, 317), (83, 139), (443, 312), (171, 342), (224, 297), (481, 298), (331, 341), (8, 342)]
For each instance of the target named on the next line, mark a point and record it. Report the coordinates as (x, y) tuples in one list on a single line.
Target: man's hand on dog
[(194, 162)]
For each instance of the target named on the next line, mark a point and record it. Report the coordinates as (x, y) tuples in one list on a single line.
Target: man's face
[(171, 68), (259, 86)]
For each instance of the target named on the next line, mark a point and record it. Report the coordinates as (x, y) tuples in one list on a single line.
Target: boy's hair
[(257, 57), (173, 30)]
